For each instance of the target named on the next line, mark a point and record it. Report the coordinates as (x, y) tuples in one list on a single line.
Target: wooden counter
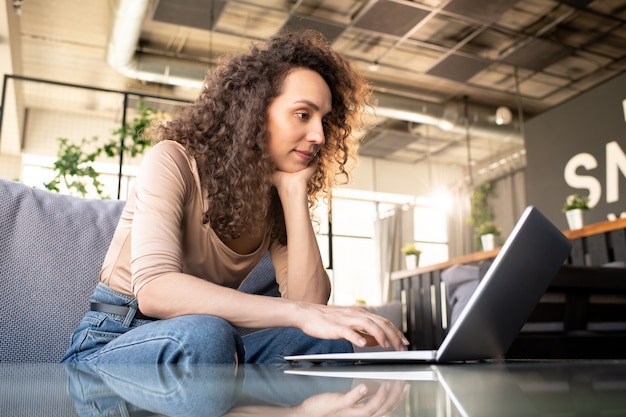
[(465, 259), (598, 244), (423, 294), (602, 234), (596, 228)]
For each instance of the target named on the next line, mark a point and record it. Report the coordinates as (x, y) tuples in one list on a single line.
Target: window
[(354, 272), (431, 234)]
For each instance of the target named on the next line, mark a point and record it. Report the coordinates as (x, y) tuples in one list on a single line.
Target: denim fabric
[(123, 390), (104, 338), (189, 391), (270, 345)]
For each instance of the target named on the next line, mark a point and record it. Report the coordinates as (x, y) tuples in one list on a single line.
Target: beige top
[(161, 231)]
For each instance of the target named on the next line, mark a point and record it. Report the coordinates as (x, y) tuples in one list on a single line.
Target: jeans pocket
[(97, 338), (94, 331), (92, 341)]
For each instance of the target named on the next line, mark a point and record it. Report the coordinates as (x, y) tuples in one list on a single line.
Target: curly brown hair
[(225, 129)]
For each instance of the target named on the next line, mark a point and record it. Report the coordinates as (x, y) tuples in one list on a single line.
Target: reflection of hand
[(354, 324), (370, 399), (363, 400)]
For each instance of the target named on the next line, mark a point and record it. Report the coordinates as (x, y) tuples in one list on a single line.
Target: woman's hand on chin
[(286, 181)]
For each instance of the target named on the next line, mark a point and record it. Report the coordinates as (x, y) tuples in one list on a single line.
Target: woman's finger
[(383, 331)]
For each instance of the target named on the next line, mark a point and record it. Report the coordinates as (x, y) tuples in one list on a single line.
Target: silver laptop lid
[(509, 291)]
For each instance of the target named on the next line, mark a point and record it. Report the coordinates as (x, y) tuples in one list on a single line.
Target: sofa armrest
[(51, 251)]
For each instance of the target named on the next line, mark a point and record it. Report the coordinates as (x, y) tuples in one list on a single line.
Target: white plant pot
[(574, 219), (488, 241), (411, 261)]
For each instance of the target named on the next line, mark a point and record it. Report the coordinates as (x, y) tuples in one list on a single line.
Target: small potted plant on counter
[(573, 208), (411, 255), (488, 232)]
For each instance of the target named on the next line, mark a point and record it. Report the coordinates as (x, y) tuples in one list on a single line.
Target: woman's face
[(296, 120)]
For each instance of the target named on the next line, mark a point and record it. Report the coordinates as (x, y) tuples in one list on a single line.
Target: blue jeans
[(189, 391), (172, 390), (103, 338)]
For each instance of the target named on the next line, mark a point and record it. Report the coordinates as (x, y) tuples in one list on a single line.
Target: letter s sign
[(588, 182), (615, 165)]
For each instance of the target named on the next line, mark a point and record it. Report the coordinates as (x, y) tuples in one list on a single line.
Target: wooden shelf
[(582, 279), (589, 230), (596, 228), (465, 259)]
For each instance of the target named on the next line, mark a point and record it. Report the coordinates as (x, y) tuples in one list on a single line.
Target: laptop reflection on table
[(473, 389)]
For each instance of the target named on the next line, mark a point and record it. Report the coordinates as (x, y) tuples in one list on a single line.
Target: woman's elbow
[(150, 302), (316, 294)]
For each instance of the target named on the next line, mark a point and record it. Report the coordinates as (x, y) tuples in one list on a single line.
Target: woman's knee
[(332, 346), (272, 345), (191, 339), (207, 339), (303, 342)]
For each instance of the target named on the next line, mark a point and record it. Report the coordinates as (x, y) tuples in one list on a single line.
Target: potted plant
[(573, 209), (481, 211), (75, 167), (488, 232), (411, 255)]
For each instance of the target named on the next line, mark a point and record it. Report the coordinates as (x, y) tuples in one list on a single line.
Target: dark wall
[(580, 147)]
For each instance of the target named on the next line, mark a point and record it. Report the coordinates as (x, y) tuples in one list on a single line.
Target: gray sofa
[(51, 250)]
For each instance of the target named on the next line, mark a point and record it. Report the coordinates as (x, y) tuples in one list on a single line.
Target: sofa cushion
[(51, 250)]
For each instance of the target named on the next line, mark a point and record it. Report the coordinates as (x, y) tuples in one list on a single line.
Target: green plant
[(480, 211), (481, 214), (410, 249), (134, 131), (74, 167), (488, 228), (574, 201)]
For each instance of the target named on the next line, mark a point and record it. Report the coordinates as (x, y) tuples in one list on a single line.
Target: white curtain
[(460, 235), (510, 200), (391, 233)]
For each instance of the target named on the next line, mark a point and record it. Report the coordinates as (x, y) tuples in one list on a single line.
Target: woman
[(233, 176)]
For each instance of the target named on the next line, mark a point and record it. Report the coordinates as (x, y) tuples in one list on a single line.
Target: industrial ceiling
[(454, 79)]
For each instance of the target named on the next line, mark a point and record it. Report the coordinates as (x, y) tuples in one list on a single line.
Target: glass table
[(512, 388)]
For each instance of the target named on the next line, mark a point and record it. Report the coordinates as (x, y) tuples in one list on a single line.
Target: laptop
[(499, 307)]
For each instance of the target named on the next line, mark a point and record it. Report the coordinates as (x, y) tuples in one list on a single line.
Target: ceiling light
[(449, 118), (503, 116), (445, 125)]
